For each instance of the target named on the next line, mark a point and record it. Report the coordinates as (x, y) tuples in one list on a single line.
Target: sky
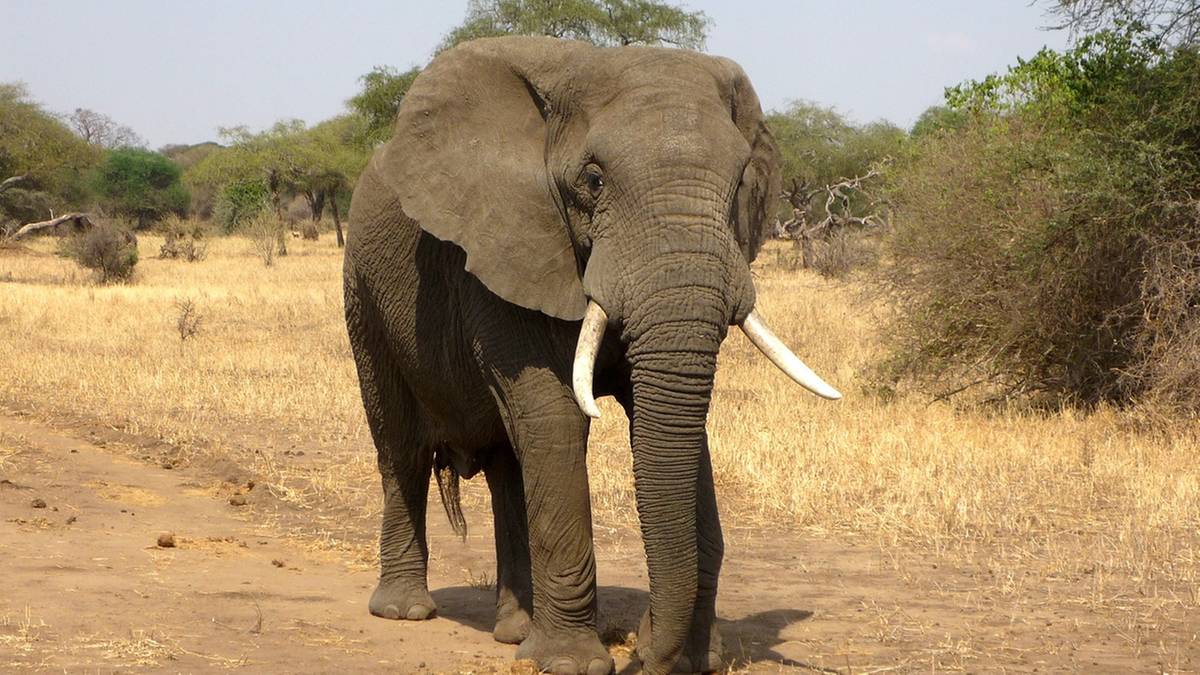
[(176, 71)]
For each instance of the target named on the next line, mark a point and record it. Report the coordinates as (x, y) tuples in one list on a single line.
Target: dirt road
[(85, 586)]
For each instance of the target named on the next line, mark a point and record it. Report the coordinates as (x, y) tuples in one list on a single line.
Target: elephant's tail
[(447, 480)]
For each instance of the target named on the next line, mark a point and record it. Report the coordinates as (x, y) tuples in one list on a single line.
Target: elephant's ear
[(467, 161), (761, 182)]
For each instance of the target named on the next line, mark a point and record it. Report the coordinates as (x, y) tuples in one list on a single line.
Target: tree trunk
[(337, 218), (316, 205)]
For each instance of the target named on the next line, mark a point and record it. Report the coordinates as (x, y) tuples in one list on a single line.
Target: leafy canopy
[(140, 184), (601, 22)]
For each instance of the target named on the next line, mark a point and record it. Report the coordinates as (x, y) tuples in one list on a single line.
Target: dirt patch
[(88, 587)]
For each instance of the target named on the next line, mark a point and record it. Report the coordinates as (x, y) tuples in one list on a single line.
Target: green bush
[(107, 250), (239, 201), (1047, 249), (141, 184)]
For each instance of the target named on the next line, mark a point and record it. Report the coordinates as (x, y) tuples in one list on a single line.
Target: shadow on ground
[(750, 639)]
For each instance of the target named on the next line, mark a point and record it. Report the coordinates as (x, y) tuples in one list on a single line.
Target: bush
[(267, 235), (184, 240), (109, 251), (1047, 249), (310, 231), (240, 201)]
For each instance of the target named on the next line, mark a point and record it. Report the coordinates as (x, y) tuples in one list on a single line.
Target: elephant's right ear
[(467, 161)]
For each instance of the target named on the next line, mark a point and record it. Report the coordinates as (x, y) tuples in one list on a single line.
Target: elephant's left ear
[(467, 161), (761, 182)]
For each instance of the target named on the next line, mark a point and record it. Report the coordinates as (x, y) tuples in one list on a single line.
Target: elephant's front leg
[(514, 586), (550, 435)]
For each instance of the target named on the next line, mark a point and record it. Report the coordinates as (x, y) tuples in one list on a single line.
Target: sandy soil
[(87, 587)]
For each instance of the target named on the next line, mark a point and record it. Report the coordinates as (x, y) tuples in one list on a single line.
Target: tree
[(319, 164), (830, 165), (382, 90), (937, 118), (140, 184), (41, 161), (102, 131), (601, 22), (1171, 21)]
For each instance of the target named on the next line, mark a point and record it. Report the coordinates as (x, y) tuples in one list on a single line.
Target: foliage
[(109, 251), (1048, 249), (820, 148), (285, 160), (601, 22), (937, 118), (238, 201), (34, 144), (140, 184), (382, 90)]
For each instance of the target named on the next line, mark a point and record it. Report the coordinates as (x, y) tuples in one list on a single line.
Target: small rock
[(166, 540), (237, 500), (249, 485), (167, 465), (278, 563), (71, 520), (38, 503)]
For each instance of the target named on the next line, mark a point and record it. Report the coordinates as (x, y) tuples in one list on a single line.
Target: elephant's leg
[(550, 436), (405, 465), (514, 591), (403, 592)]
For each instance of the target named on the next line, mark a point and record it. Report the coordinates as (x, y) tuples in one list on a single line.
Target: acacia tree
[(600, 22)]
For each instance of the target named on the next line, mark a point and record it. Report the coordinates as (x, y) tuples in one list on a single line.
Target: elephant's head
[(626, 187)]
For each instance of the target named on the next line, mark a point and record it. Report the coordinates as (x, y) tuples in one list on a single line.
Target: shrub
[(267, 235), (107, 250), (184, 240), (310, 231), (1047, 249), (240, 201)]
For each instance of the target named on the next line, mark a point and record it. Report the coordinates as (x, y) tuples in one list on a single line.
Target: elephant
[(553, 221)]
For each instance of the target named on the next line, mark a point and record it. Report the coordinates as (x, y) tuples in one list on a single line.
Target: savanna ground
[(882, 533)]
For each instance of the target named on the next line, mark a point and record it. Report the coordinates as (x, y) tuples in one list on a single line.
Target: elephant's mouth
[(592, 333)]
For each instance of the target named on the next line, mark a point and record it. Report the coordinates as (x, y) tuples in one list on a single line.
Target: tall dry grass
[(271, 367)]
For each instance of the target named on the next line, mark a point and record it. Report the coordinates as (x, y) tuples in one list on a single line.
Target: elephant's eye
[(594, 179)]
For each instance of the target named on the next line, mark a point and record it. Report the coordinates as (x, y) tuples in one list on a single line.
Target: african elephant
[(551, 217)]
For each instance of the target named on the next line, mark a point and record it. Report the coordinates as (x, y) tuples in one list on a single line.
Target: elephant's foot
[(512, 624), (701, 653), (577, 652), (402, 600)]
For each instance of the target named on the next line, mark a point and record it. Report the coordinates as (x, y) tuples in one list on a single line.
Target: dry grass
[(1066, 492)]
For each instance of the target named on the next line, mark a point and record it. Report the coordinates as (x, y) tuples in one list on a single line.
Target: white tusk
[(590, 335), (771, 346)]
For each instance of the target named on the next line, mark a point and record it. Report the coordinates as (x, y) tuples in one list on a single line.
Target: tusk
[(590, 334), (771, 346)]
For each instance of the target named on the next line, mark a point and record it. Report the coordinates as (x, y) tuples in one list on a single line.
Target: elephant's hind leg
[(405, 465), (514, 587)]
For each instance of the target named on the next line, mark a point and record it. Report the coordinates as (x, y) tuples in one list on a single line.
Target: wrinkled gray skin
[(526, 176)]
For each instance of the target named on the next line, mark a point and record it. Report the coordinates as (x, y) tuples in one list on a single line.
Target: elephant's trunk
[(671, 393)]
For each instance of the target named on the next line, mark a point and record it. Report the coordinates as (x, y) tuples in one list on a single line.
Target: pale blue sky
[(175, 71)]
